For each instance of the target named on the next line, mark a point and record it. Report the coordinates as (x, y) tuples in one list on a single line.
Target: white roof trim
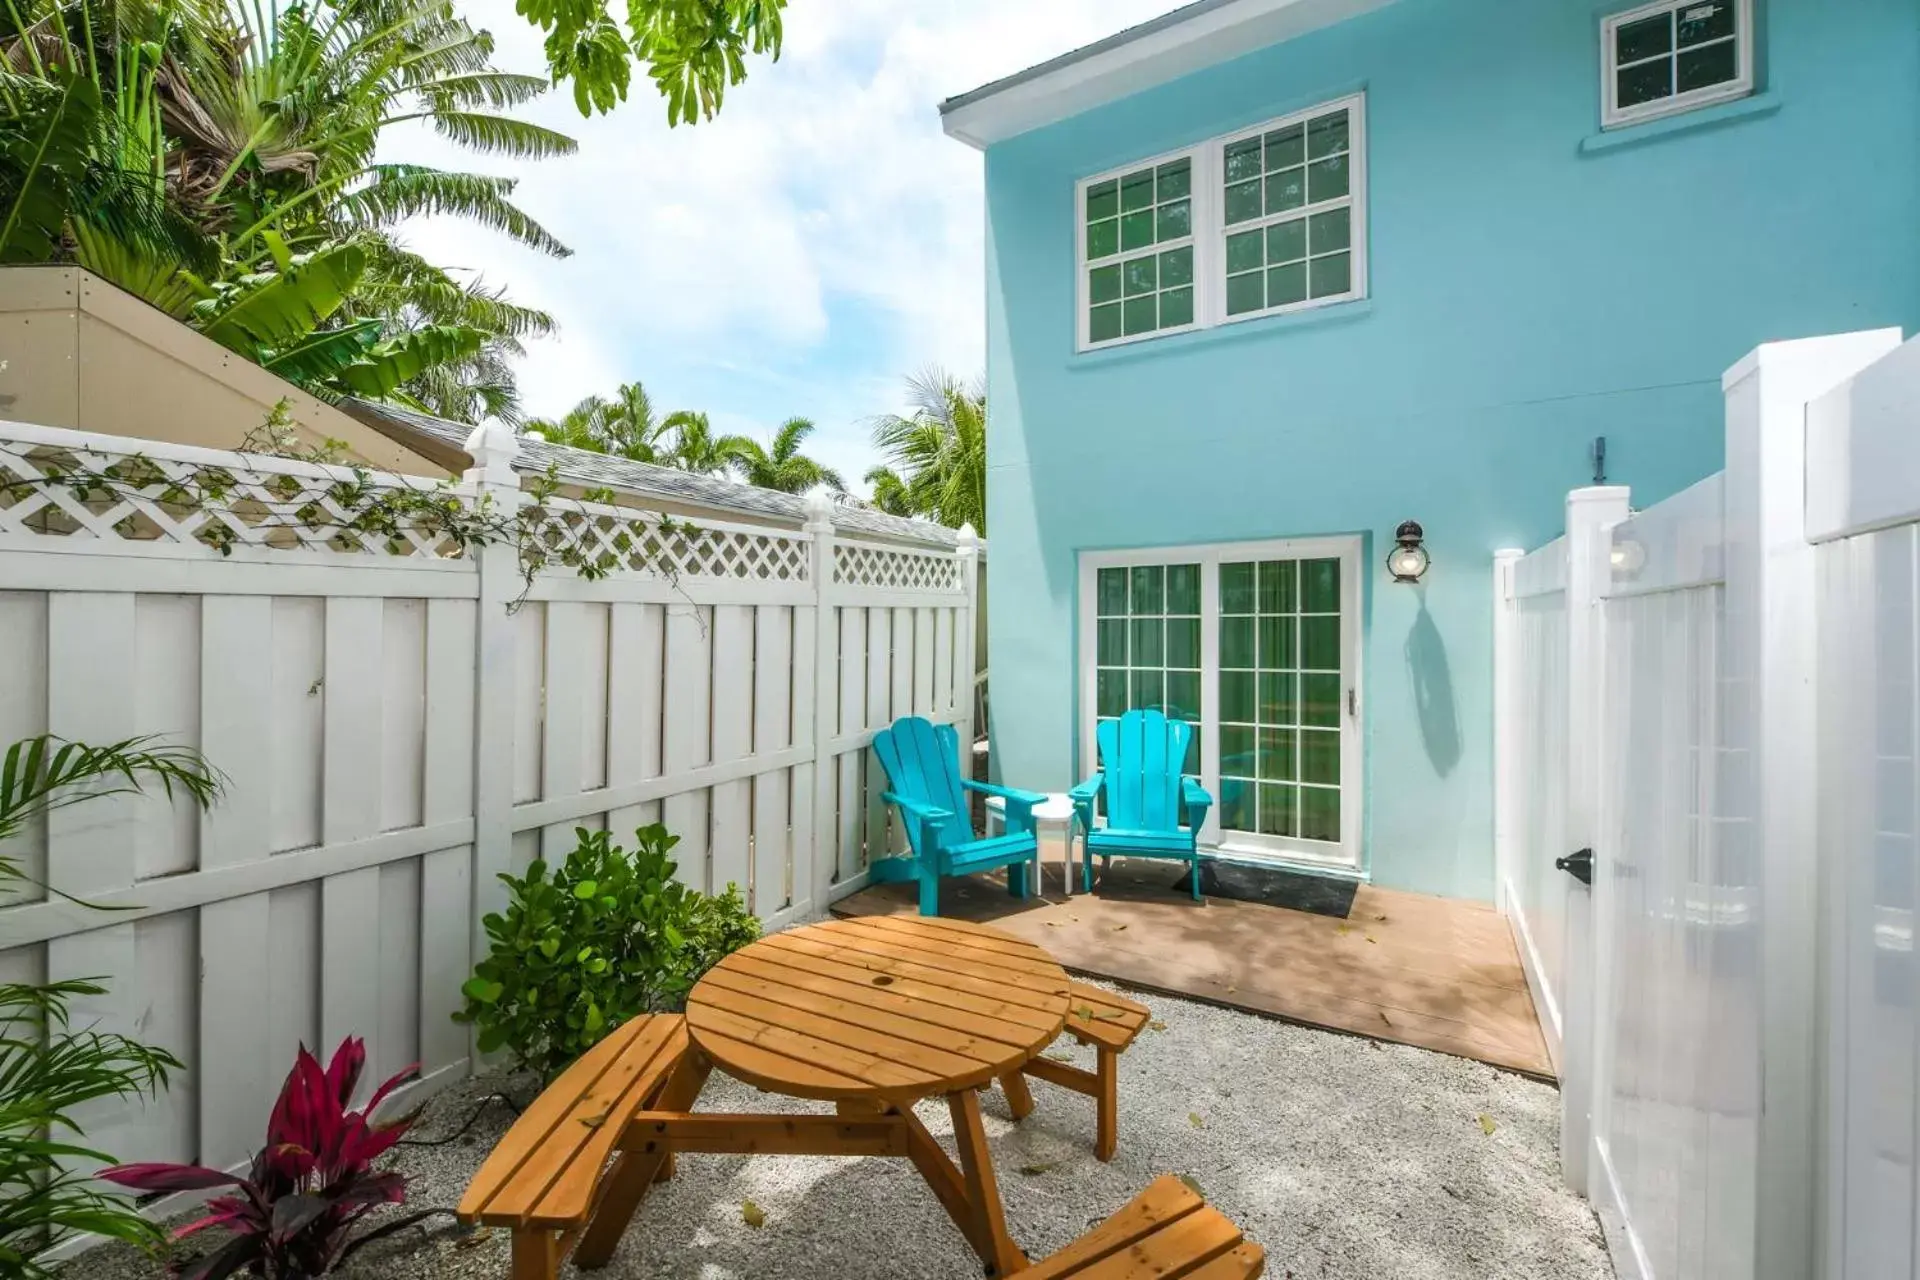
[(1187, 40)]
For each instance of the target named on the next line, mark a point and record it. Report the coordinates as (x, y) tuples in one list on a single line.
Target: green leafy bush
[(609, 935)]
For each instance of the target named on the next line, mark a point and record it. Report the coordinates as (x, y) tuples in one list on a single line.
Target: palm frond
[(501, 135), (401, 191)]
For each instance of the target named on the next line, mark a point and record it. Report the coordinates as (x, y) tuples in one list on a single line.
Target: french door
[(1256, 644)]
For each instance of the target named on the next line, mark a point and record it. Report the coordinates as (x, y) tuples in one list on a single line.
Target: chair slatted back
[(1141, 755), (922, 761)]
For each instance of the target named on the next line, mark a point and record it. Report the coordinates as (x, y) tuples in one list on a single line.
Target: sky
[(799, 255)]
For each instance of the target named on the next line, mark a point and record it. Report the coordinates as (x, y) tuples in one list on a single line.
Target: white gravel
[(1345, 1157)]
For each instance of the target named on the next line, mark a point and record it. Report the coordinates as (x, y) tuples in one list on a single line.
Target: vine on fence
[(351, 511)]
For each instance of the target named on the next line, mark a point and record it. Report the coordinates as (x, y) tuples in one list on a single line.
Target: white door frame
[(1344, 858)]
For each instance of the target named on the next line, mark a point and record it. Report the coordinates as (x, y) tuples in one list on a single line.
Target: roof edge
[(1203, 34)]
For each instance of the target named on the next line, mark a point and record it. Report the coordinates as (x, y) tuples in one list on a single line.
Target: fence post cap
[(819, 508), (968, 538), (493, 448)]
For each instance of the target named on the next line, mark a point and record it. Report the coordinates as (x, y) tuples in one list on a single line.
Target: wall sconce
[(1409, 561)]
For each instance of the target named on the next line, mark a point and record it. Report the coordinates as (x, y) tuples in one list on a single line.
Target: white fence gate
[(394, 737), (1740, 682)]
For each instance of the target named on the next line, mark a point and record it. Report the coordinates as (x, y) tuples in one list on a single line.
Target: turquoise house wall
[(1532, 286)]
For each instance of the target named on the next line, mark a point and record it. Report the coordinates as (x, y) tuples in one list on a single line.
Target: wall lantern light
[(1408, 561)]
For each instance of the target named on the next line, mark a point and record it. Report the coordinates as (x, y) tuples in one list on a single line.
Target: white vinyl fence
[(1735, 995), (399, 723)]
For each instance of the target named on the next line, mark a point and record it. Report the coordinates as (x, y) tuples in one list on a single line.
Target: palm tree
[(624, 426), (939, 453), (696, 448), (890, 493), (783, 467)]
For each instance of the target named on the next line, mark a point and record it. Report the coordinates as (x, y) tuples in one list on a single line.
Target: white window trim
[(1613, 116), (1210, 229), (1343, 858)]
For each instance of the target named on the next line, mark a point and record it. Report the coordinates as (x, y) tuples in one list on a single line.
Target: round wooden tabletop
[(880, 1007)]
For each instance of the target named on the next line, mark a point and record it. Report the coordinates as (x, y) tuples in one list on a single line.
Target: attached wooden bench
[(1107, 1022), (1167, 1232), (548, 1180)]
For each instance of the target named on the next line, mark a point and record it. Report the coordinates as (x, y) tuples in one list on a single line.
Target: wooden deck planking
[(1432, 972)]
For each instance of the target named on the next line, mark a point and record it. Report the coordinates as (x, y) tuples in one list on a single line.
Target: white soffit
[(1187, 40)]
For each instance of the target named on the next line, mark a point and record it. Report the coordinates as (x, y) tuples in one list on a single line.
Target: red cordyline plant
[(291, 1215)]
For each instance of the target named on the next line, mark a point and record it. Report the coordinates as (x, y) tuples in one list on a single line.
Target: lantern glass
[(1408, 563)]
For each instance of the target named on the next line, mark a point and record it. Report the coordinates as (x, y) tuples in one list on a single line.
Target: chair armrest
[(1084, 797), (1196, 801), (1008, 794), (1019, 812), (917, 809)]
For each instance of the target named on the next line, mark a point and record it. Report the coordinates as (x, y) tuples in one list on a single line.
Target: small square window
[(1674, 56)]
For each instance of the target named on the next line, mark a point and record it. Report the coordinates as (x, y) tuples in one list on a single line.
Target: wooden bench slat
[(1247, 1262), (1165, 1201), (586, 1135), (1174, 1251), (1167, 1232), (541, 1118), (1116, 1022)]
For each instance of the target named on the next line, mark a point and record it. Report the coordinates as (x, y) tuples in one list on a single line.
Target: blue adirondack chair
[(1152, 810), (922, 761)]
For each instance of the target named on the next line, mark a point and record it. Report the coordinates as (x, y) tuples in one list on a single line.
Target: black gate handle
[(1579, 866)]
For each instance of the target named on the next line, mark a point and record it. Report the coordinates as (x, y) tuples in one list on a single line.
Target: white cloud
[(800, 254)]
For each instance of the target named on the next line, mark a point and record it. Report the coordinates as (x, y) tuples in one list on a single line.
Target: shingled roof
[(445, 441)]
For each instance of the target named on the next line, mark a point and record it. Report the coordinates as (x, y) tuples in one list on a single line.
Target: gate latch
[(1578, 865)]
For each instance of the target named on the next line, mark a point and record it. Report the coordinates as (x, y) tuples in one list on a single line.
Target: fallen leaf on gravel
[(479, 1237), (1158, 1025), (1060, 1055), (752, 1214), (1193, 1118), (1487, 1126), (1193, 1186), (1035, 1170)]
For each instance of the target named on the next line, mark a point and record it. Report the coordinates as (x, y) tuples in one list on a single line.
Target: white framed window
[(1263, 220), (1673, 56)]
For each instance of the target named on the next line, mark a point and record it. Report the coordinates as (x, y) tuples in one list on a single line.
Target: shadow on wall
[(1433, 691)]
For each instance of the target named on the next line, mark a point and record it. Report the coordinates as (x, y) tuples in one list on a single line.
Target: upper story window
[(1670, 57), (1260, 221)]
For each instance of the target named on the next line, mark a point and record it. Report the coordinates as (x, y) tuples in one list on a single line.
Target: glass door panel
[(1147, 644)]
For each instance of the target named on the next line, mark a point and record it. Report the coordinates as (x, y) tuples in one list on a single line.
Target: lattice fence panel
[(622, 539), (886, 568), (70, 491)]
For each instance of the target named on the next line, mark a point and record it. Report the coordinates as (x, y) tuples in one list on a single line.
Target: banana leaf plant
[(292, 1216)]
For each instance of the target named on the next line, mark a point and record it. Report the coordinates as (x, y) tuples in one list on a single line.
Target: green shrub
[(609, 935)]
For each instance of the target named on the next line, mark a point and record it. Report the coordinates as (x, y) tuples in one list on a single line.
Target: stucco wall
[(1527, 296)]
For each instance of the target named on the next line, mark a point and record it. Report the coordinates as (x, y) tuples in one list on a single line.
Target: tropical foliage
[(292, 1216), (936, 454), (625, 426), (607, 935), (780, 465), (694, 50), (50, 1073)]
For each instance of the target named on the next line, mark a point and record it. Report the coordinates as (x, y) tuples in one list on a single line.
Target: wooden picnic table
[(876, 1014)]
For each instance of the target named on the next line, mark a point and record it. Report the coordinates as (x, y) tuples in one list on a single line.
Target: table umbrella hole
[(883, 981)]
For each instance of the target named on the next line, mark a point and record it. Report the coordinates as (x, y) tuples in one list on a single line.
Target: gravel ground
[(1346, 1158)]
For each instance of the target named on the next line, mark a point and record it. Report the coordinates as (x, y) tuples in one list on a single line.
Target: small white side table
[(1055, 811)]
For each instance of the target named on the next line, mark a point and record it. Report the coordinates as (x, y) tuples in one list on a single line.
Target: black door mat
[(1270, 886)]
